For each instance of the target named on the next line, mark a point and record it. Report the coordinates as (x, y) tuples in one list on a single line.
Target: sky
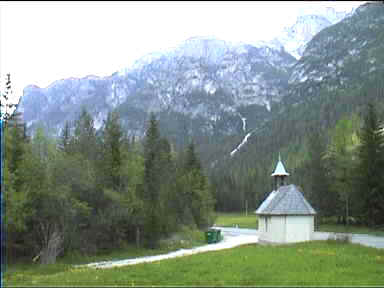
[(41, 42)]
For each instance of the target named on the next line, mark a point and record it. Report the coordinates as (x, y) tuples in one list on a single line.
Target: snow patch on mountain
[(267, 105), (293, 39), (241, 144)]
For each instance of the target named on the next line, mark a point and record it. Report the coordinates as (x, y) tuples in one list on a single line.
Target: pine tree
[(113, 141), (6, 105), (370, 175), (15, 149), (65, 139), (340, 162), (152, 180), (192, 162), (85, 136), (321, 196), (196, 195)]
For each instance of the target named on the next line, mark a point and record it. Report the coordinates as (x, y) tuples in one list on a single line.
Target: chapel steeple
[(279, 174)]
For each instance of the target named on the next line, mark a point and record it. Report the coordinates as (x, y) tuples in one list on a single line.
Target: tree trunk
[(246, 207), (137, 237), (52, 249), (347, 212)]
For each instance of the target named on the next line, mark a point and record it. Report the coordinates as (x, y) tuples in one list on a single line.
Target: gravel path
[(363, 239), (233, 237), (230, 240)]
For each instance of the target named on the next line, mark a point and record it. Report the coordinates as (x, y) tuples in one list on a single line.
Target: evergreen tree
[(65, 139), (370, 175), (151, 184), (15, 214), (340, 162), (192, 162), (6, 105), (16, 150), (321, 196), (48, 202), (195, 196), (112, 146), (84, 140)]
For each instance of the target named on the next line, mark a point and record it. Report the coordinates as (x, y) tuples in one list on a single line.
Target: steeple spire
[(279, 174)]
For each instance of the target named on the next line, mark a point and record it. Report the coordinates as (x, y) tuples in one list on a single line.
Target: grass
[(250, 222), (186, 238), (240, 219), (329, 263), (351, 229)]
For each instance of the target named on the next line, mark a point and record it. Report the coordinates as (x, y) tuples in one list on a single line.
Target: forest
[(333, 150), (92, 190)]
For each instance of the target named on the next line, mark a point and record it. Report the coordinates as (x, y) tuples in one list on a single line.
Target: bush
[(187, 237)]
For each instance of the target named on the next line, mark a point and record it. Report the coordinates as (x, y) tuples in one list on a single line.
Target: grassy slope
[(311, 263)]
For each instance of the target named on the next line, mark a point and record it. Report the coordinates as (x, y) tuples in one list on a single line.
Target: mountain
[(294, 38), (218, 92), (342, 56), (341, 71), (206, 80)]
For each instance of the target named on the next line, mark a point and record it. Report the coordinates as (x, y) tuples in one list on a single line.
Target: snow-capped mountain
[(202, 78), (295, 37), (343, 55), (204, 86)]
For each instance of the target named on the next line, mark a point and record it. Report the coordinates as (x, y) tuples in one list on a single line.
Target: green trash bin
[(210, 236), (219, 236), (213, 236)]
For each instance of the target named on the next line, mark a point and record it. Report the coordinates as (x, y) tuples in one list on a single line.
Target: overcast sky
[(41, 42)]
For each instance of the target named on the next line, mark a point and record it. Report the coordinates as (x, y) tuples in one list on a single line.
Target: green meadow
[(350, 229), (250, 221), (328, 263), (237, 218)]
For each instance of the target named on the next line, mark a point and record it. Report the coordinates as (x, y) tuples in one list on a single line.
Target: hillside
[(210, 87), (240, 103), (326, 84)]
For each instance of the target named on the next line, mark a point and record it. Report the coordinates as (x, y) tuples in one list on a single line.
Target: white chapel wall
[(261, 224), (299, 228), (276, 229)]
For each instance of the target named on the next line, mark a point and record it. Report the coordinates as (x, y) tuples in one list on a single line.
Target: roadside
[(230, 239), (363, 239), (233, 237)]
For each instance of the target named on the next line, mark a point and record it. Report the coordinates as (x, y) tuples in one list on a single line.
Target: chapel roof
[(287, 200), (280, 170)]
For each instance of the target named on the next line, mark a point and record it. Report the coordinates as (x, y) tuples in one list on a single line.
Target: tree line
[(346, 172), (336, 165), (90, 190)]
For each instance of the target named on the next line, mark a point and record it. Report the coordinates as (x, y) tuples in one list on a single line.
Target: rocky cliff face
[(202, 78), (344, 55)]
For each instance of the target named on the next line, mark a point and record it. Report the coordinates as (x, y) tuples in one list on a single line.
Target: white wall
[(299, 228), (289, 229), (274, 231), (261, 220)]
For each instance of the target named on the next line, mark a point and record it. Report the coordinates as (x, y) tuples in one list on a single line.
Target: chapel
[(285, 216)]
